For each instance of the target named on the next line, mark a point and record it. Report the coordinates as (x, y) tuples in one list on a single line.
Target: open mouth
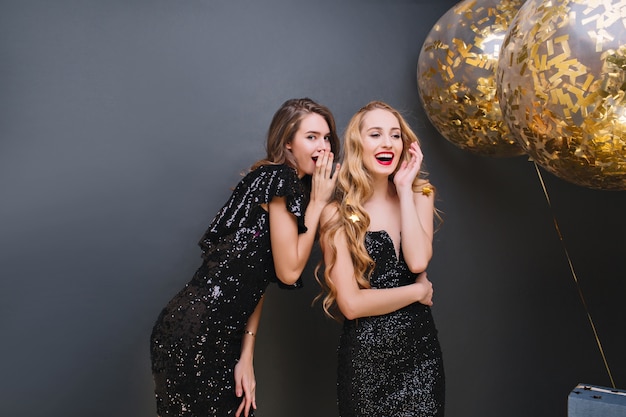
[(384, 158), (314, 158)]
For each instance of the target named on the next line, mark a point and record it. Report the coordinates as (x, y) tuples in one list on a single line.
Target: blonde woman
[(376, 237)]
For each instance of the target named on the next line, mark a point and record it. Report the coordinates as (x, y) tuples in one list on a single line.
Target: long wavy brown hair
[(354, 188), (285, 124)]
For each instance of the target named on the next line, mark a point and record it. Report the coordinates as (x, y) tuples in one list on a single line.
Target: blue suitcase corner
[(594, 401)]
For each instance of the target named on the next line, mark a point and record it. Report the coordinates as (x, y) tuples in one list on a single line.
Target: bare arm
[(245, 381), (291, 250), (416, 213)]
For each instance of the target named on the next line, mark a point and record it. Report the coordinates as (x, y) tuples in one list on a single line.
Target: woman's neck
[(382, 189)]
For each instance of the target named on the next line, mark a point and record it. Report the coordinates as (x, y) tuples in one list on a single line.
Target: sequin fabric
[(390, 365), (196, 340)]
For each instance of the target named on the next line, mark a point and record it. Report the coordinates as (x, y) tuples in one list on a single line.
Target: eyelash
[(313, 137), (377, 135)]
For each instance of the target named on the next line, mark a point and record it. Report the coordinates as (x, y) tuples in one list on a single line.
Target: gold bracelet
[(249, 332)]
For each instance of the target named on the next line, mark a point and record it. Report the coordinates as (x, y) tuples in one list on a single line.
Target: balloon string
[(571, 267)]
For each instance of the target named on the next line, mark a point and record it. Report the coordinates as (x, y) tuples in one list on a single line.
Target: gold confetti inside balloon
[(561, 82), (456, 73)]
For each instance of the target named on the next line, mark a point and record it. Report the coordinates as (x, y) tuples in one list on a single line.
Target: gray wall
[(124, 123)]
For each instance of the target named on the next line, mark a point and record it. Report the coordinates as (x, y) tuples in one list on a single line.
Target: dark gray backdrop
[(123, 124)]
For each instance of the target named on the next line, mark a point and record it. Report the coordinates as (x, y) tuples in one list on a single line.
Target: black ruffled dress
[(196, 340)]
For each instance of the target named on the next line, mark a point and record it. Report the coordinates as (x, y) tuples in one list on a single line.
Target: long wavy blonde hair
[(354, 188)]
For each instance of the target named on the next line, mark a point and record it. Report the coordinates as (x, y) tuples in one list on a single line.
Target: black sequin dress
[(196, 340), (390, 365)]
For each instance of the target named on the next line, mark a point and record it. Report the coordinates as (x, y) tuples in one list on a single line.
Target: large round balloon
[(456, 73), (561, 82)]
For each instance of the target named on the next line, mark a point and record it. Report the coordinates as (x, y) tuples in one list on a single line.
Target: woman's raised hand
[(324, 179), (409, 169)]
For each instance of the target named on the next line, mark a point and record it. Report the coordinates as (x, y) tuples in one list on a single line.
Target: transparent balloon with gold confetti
[(456, 73), (561, 82)]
